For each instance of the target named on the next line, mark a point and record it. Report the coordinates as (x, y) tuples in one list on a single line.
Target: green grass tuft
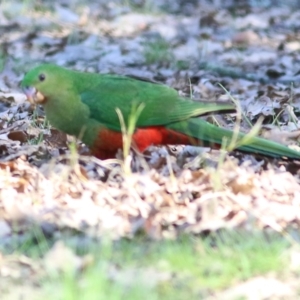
[(158, 52), (190, 267)]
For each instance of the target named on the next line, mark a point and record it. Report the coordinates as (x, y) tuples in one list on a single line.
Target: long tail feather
[(211, 135)]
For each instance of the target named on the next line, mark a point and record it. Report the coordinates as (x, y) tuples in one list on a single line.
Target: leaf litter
[(24, 140), (252, 51)]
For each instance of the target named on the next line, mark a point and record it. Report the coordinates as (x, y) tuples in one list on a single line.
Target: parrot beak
[(33, 96)]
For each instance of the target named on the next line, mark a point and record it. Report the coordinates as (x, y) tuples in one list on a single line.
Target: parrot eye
[(42, 77)]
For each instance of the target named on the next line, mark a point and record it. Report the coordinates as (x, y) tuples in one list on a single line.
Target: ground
[(176, 222)]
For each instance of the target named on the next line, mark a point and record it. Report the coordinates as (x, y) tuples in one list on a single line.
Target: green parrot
[(84, 105)]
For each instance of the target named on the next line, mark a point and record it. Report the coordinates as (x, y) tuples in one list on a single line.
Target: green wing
[(163, 105)]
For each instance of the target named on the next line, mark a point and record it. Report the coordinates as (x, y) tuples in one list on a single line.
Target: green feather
[(210, 134), (163, 105), (82, 104)]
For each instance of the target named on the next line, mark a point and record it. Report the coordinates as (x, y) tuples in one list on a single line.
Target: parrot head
[(41, 82)]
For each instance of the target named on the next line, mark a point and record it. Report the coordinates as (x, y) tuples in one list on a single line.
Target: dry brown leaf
[(279, 136), (17, 136), (247, 37)]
